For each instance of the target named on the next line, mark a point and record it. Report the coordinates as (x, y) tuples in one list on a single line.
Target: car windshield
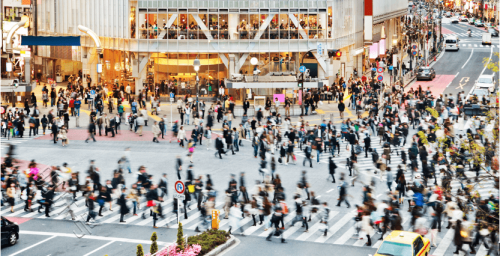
[(451, 41), (395, 249), (492, 30), (480, 93), (484, 80), (425, 71)]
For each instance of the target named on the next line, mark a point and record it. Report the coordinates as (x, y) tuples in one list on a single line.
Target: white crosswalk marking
[(335, 228), (475, 45), (315, 228), (444, 244)]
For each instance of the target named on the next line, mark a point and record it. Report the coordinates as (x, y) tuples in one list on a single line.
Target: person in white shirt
[(127, 90), (277, 105), (144, 114), (404, 119), (187, 112)]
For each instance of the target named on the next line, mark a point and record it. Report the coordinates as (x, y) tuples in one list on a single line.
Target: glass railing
[(224, 34)]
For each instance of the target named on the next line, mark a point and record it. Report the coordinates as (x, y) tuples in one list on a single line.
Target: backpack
[(284, 207), (438, 207)]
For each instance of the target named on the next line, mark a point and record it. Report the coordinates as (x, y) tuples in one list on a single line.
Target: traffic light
[(334, 54)]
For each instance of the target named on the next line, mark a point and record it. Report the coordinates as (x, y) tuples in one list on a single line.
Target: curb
[(223, 248)]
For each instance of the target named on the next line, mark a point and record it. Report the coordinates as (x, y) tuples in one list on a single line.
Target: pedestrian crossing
[(466, 35), (342, 229), (480, 46), (5, 142)]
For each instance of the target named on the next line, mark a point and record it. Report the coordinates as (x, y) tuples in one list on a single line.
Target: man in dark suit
[(122, 202)]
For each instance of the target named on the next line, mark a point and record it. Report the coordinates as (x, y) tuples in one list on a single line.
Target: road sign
[(179, 196), (172, 95), (3, 110), (92, 92), (380, 78), (374, 69), (414, 47), (302, 69), (179, 187), (380, 70), (414, 53)]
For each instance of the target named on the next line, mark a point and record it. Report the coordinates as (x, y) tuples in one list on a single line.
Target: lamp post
[(196, 65)]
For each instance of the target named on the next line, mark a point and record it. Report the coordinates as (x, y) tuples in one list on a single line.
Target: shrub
[(209, 240), (140, 251), (180, 238), (154, 246)]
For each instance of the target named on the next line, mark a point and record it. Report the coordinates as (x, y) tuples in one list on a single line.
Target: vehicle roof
[(403, 237), (487, 76)]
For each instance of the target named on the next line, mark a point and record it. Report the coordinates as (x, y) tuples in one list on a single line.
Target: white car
[(486, 82), (454, 19)]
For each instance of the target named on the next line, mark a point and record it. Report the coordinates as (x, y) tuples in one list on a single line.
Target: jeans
[(135, 206), (307, 109), (389, 184), (255, 150), (236, 144), (229, 123), (318, 155), (187, 120), (77, 111)]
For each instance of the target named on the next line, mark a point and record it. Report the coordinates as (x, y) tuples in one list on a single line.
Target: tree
[(180, 238), (140, 251), (154, 246)]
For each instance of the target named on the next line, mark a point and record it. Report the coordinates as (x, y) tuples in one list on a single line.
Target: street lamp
[(196, 65)]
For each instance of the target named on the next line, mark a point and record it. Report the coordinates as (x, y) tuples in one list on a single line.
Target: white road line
[(467, 59), (99, 248), (481, 45), (482, 251), (29, 247), (287, 219), (330, 190), (470, 45), (475, 45), (445, 243), (333, 229), (92, 237), (315, 228), (345, 237)]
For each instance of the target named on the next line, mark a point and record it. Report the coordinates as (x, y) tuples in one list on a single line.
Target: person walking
[(307, 151), (275, 220), (11, 194), (91, 130), (156, 132), (122, 202), (181, 136), (331, 167), (343, 193)]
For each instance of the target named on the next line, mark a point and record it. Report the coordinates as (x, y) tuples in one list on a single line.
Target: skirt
[(11, 201)]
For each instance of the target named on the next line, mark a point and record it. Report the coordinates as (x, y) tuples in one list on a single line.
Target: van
[(451, 43), (486, 38)]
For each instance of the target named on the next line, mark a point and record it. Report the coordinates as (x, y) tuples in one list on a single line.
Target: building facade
[(149, 41)]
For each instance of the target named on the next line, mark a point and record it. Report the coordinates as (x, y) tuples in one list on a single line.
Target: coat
[(122, 202), (387, 153), (156, 130), (181, 135)]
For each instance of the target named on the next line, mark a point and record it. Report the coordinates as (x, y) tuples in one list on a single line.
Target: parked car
[(478, 23), (10, 232), (426, 73), (471, 21), (463, 18), (454, 20)]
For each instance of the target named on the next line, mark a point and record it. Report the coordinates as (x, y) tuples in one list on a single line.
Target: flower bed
[(209, 240)]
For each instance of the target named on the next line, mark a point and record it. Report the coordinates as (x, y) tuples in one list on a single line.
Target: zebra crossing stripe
[(287, 219), (445, 243), (333, 229), (315, 228), (345, 237)]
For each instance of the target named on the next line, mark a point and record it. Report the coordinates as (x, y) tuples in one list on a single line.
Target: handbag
[(191, 188), (100, 202)]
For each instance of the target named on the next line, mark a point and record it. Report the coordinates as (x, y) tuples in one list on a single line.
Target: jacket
[(181, 135), (156, 130)]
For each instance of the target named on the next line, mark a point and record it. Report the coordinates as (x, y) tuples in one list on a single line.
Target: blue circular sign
[(414, 46), (92, 92), (302, 69), (414, 53), (380, 70), (380, 78), (374, 69)]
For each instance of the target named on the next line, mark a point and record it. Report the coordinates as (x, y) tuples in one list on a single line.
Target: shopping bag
[(191, 188), (151, 203)]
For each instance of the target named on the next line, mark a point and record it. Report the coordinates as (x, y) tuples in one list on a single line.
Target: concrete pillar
[(90, 62), (322, 18), (233, 20), (140, 80), (27, 69), (232, 64)]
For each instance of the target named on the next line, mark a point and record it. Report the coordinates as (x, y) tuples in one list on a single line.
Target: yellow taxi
[(404, 243)]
